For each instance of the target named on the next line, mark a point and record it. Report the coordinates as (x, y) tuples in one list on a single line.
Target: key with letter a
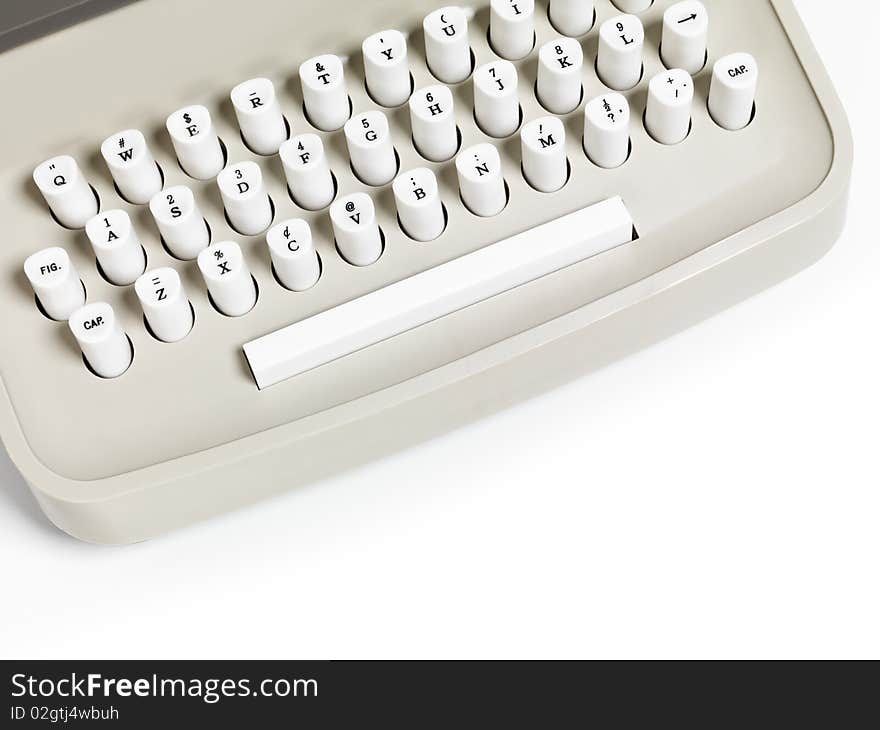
[(116, 246)]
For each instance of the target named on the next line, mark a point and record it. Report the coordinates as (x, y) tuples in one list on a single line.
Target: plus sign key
[(670, 98), (228, 278)]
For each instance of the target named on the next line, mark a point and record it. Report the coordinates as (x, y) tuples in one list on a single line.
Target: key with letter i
[(512, 28), (132, 166)]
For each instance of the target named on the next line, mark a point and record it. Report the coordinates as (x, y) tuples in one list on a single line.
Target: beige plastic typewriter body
[(380, 353)]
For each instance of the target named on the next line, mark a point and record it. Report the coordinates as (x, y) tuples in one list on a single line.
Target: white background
[(717, 495)]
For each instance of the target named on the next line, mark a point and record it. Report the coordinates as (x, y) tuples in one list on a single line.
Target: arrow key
[(685, 29)]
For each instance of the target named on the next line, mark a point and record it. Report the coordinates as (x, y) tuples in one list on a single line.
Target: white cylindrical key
[(496, 98), (419, 207), (259, 115), (66, 191), (180, 222), (370, 148), (512, 28), (55, 281), (293, 253), (308, 172), (559, 75), (447, 47), (104, 345), (386, 68), (132, 166), (733, 90), (632, 6), (480, 180), (685, 34), (572, 17), (668, 113), (325, 94), (357, 232), (606, 130), (432, 117), (621, 42), (245, 199), (116, 246), (545, 164), (228, 278), (196, 144), (166, 307)]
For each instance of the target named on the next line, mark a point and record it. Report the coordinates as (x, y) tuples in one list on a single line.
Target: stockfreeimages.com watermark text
[(208, 690)]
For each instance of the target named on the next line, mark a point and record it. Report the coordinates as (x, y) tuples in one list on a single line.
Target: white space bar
[(437, 292)]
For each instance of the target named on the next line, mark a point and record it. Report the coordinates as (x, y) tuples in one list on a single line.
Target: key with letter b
[(419, 207)]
